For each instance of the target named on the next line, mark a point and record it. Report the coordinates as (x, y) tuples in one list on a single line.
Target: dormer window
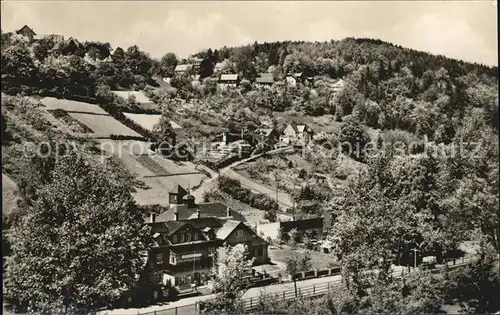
[(182, 237), (174, 238), (188, 237), (239, 233), (195, 236)]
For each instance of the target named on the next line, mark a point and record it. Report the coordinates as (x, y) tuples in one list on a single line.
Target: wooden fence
[(312, 291)]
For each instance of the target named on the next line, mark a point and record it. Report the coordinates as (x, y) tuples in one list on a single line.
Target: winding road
[(284, 199)]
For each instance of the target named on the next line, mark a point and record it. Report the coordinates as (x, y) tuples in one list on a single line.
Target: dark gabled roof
[(207, 210), (178, 189), (227, 229), (265, 78), (76, 42), (174, 226), (264, 131), (208, 222), (24, 27)]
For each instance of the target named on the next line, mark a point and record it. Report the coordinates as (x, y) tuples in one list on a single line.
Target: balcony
[(186, 265)]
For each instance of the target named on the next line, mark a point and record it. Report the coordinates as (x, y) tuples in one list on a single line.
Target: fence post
[(299, 292), (462, 259), (283, 295), (250, 302), (176, 310), (314, 289)]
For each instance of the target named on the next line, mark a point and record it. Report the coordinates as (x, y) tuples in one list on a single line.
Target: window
[(188, 237), (239, 233), (182, 237), (195, 236), (174, 238), (210, 251), (172, 258), (159, 259)]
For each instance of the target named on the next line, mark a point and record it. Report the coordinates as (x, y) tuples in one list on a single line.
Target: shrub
[(233, 188)]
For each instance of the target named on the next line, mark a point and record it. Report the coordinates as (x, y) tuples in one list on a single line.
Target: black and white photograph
[(250, 157)]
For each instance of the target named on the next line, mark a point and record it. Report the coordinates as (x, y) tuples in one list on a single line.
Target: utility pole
[(277, 187), (415, 256)]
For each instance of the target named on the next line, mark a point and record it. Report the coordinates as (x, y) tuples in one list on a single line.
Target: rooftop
[(184, 67), (228, 77), (227, 229), (207, 210), (265, 78)]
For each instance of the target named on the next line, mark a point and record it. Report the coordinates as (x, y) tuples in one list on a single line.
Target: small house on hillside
[(181, 69), (27, 32), (268, 136), (291, 80), (196, 64), (69, 46), (264, 79), (296, 134), (218, 66), (96, 50), (229, 80)]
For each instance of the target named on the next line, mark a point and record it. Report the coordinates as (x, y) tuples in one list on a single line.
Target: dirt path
[(284, 199)]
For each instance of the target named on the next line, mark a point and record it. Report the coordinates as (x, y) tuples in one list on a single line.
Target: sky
[(458, 29)]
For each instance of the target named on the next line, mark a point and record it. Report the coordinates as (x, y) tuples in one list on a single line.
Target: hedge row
[(111, 108), (233, 188)]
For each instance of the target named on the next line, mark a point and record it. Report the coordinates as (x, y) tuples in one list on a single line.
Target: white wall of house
[(291, 81), (268, 230)]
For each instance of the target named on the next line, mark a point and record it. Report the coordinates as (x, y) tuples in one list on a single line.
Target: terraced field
[(159, 174), (72, 106), (149, 120), (92, 116)]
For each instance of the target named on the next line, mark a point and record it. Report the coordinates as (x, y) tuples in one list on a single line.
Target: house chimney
[(152, 216), (198, 214), (228, 212), (176, 214)]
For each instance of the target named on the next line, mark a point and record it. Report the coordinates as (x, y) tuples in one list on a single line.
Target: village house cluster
[(226, 78), (91, 51)]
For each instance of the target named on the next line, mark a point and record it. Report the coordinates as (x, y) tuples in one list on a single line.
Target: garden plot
[(120, 149), (148, 121), (158, 174), (104, 125), (92, 116), (159, 187), (72, 106), (174, 167)]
